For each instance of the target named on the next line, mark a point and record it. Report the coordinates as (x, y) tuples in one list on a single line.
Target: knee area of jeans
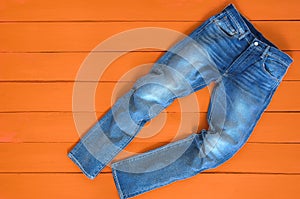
[(151, 94), (218, 141)]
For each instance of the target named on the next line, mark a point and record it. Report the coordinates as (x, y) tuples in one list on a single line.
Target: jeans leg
[(176, 74), (233, 113), (252, 68), (189, 66), (181, 159), (177, 160)]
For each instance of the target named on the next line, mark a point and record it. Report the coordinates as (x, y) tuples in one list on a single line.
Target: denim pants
[(227, 50)]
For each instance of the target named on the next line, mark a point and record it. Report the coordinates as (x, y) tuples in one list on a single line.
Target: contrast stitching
[(118, 184), (240, 29), (263, 66), (80, 166)]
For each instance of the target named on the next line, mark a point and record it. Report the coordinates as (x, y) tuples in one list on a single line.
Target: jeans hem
[(74, 159), (118, 186)]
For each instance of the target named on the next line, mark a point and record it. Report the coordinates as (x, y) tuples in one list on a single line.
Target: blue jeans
[(227, 50)]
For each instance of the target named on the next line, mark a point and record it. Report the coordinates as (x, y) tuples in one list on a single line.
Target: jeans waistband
[(246, 29)]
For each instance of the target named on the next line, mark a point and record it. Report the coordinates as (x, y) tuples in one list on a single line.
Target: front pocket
[(273, 68)]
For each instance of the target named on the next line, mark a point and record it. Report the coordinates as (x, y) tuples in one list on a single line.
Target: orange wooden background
[(42, 45)]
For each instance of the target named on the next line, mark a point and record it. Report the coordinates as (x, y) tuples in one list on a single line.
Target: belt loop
[(265, 52)]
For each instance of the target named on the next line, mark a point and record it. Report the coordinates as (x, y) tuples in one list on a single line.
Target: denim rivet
[(256, 43)]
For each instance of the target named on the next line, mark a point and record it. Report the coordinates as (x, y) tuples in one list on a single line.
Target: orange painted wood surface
[(178, 10), (43, 45), (59, 127), (64, 66), (61, 185), (57, 96), (79, 36), (52, 157)]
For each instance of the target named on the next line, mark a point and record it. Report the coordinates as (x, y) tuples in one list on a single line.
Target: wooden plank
[(60, 127), (76, 36), (57, 96), (64, 66), (75, 186), (214, 186), (52, 157), (141, 10)]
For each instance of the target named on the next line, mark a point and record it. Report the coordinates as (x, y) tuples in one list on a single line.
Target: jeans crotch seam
[(221, 77)]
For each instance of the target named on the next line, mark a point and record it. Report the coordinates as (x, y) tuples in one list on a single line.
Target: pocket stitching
[(267, 72), (231, 32)]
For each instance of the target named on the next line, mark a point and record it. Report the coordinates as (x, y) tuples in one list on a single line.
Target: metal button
[(256, 43)]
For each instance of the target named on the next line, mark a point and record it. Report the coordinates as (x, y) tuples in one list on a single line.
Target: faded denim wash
[(227, 50)]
